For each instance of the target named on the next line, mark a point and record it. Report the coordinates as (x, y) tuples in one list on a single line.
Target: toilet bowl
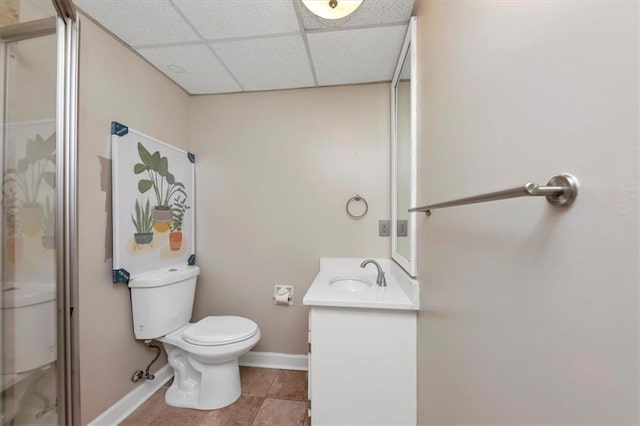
[(29, 334), (29, 352), (204, 355)]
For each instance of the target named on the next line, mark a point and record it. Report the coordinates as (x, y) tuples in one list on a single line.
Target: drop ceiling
[(223, 46)]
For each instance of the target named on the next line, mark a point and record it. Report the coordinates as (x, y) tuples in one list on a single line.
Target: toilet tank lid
[(162, 277)]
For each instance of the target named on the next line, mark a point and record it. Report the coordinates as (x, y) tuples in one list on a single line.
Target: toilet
[(203, 355), (29, 362)]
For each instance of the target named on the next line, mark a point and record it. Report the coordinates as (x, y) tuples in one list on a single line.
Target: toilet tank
[(162, 300)]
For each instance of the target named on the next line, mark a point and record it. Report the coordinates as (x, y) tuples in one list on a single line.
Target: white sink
[(342, 283), (350, 284)]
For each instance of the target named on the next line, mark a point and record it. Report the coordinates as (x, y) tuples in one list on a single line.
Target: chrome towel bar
[(561, 190)]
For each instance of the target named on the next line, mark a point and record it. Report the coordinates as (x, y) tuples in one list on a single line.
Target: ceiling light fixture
[(332, 9)]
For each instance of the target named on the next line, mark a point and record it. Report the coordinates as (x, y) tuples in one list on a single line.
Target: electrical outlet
[(384, 228), (402, 228)]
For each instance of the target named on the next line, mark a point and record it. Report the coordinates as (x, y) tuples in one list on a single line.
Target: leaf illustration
[(145, 156), (139, 168), (170, 179), (163, 167), (46, 147), (23, 165), (31, 151), (50, 178), (155, 160), (144, 185), (51, 142)]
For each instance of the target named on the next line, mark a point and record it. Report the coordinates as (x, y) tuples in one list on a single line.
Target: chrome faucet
[(381, 281)]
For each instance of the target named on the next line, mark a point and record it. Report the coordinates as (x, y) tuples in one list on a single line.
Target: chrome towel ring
[(357, 198)]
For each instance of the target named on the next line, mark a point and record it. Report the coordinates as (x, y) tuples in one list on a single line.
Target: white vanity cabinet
[(362, 366), (362, 346)]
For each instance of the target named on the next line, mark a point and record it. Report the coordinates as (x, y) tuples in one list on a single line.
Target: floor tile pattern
[(269, 398)]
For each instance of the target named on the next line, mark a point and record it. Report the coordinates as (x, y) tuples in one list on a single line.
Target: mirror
[(403, 155)]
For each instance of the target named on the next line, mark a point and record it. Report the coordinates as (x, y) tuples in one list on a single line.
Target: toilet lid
[(220, 330)]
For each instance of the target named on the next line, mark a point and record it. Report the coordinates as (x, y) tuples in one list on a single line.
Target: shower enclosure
[(38, 42)]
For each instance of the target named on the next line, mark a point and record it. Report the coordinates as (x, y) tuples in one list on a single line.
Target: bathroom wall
[(274, 171), (115, 84), (529, 312)]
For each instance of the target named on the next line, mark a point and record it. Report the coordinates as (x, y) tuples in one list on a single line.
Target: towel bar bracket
[(569, 192)]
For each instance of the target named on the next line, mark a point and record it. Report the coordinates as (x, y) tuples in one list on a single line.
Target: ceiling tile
[(371, 12), (193, 67), (140, 22), (267, 63), (257, 42), (219, 19), (356, 56)]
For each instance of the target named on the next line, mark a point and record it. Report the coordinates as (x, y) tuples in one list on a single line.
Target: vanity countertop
[(401, 292)]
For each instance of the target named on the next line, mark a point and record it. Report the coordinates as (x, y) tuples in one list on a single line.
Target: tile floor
[(269, 398)]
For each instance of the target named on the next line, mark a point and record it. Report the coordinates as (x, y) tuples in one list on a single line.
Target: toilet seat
[(220, 330)]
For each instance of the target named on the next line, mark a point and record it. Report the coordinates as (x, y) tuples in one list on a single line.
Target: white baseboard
[(128, 403), (274, 360)]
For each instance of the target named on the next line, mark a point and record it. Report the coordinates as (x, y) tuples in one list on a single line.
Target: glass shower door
[(29, 203)]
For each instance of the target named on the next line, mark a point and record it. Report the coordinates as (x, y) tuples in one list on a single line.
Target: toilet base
[(205, 377), (219, 386)]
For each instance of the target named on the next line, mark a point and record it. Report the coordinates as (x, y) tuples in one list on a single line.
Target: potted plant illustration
[(48, 224), (143, 222), (28, 176), (13, 239), (175, 236), (163, 182)]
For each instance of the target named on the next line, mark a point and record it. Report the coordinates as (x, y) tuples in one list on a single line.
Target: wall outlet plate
[(384, 228), (403, 228)]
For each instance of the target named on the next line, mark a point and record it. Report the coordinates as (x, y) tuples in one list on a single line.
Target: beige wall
[(32, 93), (273, 173), (29, 10), (115, 85), (529, 313)]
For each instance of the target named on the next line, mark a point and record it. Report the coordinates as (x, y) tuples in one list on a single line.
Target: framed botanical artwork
[(28, 194), (153, 187)]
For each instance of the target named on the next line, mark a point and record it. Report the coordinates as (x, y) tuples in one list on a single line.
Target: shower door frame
[(65, 27)]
